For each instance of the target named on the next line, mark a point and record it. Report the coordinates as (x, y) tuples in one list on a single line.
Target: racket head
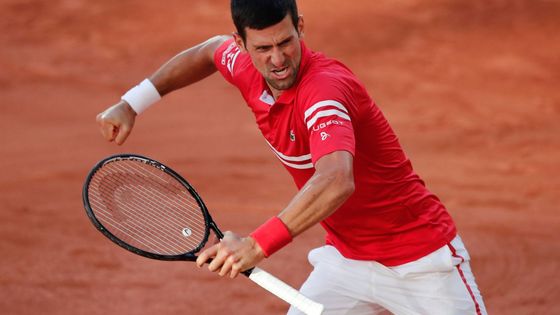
[(124, 193)]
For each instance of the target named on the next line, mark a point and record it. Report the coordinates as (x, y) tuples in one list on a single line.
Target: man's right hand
[(116, 122)]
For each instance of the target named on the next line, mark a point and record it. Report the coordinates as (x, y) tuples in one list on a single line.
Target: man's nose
[(277, 57)]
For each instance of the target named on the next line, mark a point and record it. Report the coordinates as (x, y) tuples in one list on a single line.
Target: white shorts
[(439, 283)]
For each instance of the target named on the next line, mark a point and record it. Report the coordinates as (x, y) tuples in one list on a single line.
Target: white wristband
[(142, 96)]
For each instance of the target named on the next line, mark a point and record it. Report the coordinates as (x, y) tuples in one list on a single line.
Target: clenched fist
[(116, 122)]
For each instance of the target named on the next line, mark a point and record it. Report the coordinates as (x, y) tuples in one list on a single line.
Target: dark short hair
[(260, 14)]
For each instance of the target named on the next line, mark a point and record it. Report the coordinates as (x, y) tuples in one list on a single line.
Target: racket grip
[(285, 292)]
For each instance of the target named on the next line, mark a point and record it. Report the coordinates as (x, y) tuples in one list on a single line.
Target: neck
[(275, 93)]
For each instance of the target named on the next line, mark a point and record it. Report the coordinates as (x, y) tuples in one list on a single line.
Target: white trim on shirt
[(341, 112), (285, 158)]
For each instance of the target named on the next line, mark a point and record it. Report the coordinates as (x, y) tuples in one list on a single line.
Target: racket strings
[(147, 208), (158, 200), (160, 223)]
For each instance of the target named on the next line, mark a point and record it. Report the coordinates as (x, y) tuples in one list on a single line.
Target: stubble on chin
[(284, 84)]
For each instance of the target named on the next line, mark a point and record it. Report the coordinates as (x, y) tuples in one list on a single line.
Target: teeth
[(280, 71)]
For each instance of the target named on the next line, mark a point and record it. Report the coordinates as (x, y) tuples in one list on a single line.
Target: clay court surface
[(471, 88)]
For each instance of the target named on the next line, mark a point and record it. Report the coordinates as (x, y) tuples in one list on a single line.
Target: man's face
[(276, 52)]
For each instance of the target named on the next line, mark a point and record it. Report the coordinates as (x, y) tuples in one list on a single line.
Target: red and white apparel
[(391, 229), (391, 218)]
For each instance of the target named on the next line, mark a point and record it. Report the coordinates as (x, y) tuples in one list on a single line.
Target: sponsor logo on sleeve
[(229, 56), (322, 125)]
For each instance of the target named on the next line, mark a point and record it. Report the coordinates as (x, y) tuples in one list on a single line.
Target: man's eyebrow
[(262, 46), (284, 41)]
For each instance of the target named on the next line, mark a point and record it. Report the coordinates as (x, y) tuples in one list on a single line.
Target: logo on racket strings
[(186, 232)]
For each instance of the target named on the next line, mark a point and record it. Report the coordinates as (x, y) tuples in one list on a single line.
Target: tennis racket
[(147, 208)]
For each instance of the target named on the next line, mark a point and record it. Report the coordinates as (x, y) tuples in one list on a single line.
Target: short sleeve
[(327, 112), (225, 58)]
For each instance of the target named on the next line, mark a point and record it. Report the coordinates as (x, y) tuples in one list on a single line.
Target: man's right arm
[(190, 66)]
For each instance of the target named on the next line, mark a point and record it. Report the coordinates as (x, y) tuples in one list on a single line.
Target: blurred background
[(471, 88)]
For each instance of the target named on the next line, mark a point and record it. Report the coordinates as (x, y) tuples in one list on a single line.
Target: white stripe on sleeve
[(323, 104), (326, 113), (231, 62)]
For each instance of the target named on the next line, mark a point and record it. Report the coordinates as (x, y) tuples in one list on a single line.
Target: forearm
[(188, 67), (318, 199), (321, 195)]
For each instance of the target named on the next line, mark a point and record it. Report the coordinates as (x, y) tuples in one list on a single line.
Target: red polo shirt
[(391, 217)]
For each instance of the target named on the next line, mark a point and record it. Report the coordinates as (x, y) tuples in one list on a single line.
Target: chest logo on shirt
[(292, 136)]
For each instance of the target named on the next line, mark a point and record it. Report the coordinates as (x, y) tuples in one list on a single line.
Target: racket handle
[(285, 292)]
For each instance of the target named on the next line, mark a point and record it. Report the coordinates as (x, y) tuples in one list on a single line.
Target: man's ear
[(239, 41), (300, 26)]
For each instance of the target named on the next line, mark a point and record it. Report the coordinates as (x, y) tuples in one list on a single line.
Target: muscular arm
[(326, 190), (190, 66)]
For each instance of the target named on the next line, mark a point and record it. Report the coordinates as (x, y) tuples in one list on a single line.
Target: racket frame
[(208, 221), (257, 275)]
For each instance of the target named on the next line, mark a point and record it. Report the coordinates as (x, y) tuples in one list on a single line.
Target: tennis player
[(391, 246)]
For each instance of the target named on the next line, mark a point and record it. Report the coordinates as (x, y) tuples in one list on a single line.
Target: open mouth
[(281, 73)]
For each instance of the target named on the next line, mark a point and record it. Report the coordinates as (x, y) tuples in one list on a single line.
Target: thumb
[(107, 128), (123, 133)]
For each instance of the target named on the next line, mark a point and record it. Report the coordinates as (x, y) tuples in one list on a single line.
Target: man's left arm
[(331, 184), (324, 192)]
